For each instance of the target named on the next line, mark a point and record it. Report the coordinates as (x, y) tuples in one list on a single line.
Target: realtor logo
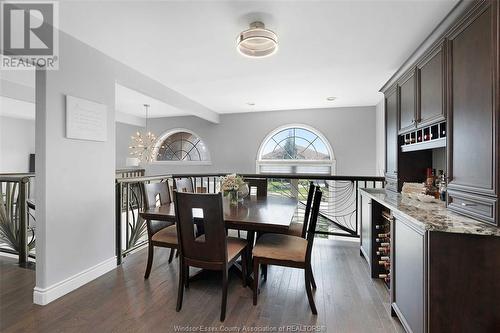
[(29, 35)]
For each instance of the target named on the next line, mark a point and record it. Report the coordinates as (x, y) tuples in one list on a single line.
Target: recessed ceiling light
[(331, 98), (251, 103), (257, 42)]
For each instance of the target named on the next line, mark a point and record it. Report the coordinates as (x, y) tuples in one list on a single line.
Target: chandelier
[(143, 146)]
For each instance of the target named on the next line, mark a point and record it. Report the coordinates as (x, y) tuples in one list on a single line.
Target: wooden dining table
[(254, 214)]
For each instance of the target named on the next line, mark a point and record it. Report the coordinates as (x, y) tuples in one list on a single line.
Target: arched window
[(181, 145), (295, 149)]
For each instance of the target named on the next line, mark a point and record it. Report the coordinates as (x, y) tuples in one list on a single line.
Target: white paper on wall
[(86, 120)]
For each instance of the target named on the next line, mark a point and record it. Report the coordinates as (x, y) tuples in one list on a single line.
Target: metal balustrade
[(338, 213), (17, 219)]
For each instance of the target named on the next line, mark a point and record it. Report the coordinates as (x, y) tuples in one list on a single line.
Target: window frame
[(297, 162), (173, 131)]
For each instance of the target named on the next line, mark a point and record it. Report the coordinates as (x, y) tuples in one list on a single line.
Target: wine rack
[(382, 246)]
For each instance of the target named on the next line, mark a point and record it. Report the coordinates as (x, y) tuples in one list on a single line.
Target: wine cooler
[(381, 242)]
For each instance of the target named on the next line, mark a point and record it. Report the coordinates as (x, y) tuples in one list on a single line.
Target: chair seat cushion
[(295, 229), (167, 235), (281, 247), (234, 246)]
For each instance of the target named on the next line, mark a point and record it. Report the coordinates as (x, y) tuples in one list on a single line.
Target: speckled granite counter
[(430, 216)]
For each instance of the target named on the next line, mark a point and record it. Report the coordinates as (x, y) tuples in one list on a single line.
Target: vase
[(233, 198), (243, 192)]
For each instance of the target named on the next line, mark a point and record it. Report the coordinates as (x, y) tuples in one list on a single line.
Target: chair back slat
[(184, 185), (212, 247), (313, 221), (307, 212), (156, 194), (259, 183)]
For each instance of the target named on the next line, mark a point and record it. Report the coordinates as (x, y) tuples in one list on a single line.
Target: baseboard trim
[(43, 296)]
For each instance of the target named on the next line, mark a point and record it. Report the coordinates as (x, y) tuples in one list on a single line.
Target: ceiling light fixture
[(331, 98), (257, 42), (251, 104), (143, 144)]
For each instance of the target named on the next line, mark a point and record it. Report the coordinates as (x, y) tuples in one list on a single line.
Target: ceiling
[(346, 49)]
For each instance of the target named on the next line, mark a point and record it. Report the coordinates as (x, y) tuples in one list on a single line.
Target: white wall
[(75, 179), (17, 142), (380, 138), (234, 142)]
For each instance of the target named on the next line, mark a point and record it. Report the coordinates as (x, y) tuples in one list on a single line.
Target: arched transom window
[(295, 149), (181, 146)]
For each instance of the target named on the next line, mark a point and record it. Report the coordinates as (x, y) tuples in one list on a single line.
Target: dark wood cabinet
[(407, 115), (408, 269), (430, 87), (391, 139), (473, 113)]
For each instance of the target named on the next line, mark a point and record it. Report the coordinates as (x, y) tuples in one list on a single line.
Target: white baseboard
[(43, 296)]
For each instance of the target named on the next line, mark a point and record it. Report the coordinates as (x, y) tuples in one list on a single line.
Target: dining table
[(253, 214)]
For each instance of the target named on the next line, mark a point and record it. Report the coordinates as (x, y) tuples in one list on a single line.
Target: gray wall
[(123, 134), (234, 142), (17, 141)]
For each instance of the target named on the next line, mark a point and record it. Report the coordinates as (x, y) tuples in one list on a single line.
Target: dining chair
[(260, 184), (160, 233), (184, 185), (288, 251), (211, 251), (300, 229), (296, 228)]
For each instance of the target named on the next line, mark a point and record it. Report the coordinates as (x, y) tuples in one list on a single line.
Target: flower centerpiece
[(231, 185)]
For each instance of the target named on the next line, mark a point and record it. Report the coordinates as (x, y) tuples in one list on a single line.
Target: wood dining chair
[(213, 250), (288, 251), (184, 185), (160, 233), (300, 229), (296, 228), (260, 184)]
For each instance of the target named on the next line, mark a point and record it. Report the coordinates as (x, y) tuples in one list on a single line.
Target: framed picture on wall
[(86, 120)]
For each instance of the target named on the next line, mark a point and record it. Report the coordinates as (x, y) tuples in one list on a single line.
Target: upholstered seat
[(234, 246), (295, 229), (166, 235), (281, 247)]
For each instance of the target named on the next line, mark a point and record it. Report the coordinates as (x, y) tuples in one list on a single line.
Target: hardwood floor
[(122, 301)]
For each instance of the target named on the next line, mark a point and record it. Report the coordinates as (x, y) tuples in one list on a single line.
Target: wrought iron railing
[(17, 219), (338, 212)]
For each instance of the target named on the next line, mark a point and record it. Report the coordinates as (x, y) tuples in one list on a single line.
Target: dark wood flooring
[(122, 301)]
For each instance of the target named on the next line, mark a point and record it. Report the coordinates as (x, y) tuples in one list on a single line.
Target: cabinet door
[(407, 99), (409, 275), (472, 107), (391, 133), (430, 92), (366, 228)]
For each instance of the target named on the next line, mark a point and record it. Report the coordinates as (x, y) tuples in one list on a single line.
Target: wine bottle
[(385, 244), (385, 258), (382, 240), (386, 235), (383, 276)]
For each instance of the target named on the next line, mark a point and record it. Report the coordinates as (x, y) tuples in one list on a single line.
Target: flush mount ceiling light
[(331, 98), (257, 42)]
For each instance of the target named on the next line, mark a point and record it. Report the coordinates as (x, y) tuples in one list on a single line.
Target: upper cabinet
[(407, 108), (430, 87), (473, 113)]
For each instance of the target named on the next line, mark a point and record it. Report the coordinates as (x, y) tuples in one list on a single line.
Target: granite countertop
[(430, 216)]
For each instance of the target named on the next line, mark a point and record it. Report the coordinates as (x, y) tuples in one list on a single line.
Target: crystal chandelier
[(143, 144)]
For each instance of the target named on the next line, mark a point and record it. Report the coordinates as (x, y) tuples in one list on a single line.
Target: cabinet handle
[(468, 204)]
